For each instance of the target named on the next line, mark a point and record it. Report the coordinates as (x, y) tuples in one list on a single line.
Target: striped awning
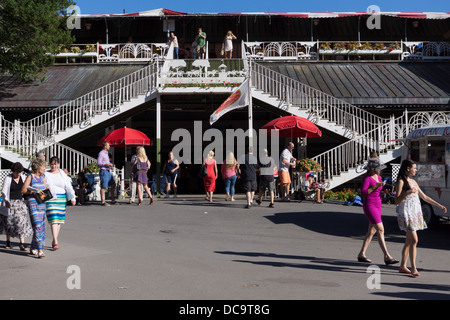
[(168, 13)]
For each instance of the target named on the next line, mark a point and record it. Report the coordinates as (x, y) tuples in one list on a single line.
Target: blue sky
[(132, 6)]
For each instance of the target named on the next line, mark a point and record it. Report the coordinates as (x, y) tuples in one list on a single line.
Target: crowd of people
[(45, 193), (256, 175), (27, 202), (198, 47)]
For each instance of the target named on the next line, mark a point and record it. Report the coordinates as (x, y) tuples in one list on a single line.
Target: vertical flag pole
[(158, 144), (250, 108)]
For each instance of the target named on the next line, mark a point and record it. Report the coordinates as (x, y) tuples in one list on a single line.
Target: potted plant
[(90, 48), (325, 46), (92, 168), (352, 45), (308, 165), (366, 46), (340, 46), (380, 46), (75, 50)]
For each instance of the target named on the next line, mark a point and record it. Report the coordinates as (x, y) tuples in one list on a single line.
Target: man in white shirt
[(286, 161)]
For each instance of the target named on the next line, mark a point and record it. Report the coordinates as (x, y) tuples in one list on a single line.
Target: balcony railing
[(386, 50), (118, 52), (266, 51)]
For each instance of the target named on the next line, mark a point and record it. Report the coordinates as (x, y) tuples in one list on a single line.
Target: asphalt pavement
[(190, 249)]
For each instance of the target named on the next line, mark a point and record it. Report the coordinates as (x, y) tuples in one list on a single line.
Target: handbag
[(4, 211), (43, 197), (203, 172)]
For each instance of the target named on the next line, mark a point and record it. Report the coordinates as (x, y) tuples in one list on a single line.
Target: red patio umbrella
[(125, 137), (293, 127)]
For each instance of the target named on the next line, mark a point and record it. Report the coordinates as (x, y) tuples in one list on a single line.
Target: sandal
[(22, 247), (8, 245), (364, 259), (391, 261), (401, 270)]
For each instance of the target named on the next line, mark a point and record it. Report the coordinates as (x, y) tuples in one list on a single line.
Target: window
[(415, 151), (436, 151)]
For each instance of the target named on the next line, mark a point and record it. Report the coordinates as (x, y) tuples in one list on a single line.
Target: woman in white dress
[(228, 44), (409, 213)]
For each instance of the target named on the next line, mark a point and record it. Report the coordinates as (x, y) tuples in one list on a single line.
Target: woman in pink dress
[(371, 193), (210, 179)]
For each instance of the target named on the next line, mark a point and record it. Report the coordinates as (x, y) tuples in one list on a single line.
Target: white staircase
[(346, 161), (20, 141), (19, 144), (365, 131), (302, 100), (97, 106)]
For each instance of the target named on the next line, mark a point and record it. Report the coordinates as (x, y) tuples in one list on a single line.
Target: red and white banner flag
[(239, 99)]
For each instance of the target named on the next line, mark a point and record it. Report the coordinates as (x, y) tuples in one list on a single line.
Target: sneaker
[(249, 205), (167, 196), (114, 202), (271, 205), (104, 204), (175, 196), (258, 202)]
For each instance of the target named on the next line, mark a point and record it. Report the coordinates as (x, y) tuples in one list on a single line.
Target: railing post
[(122, 183), (406, 122)]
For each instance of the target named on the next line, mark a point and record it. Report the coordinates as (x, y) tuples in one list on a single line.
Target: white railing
[(354, 153), (105, 99), (25, 143), (202, 72), (317, 103), (115, 52), (315, 50), (287, 50), (389, 136)]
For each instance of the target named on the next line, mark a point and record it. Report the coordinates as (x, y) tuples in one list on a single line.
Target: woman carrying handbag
[(36, 181), (13, 210)]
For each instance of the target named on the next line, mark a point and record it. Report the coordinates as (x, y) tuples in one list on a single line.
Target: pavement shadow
[(303, 262), (427, 291), (15, 249), (355, 225), (204, 203)]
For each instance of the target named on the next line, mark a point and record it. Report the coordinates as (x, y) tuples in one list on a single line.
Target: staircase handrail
[(27, 143), (317, 103), (106, 98), (354, 153)]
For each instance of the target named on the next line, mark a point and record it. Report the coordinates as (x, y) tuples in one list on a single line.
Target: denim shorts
[(106, 179)]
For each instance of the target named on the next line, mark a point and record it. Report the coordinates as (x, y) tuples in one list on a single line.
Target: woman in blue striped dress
[(36, 180), (61, 187)]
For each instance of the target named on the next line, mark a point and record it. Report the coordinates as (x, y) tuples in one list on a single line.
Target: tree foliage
[(31, 32)]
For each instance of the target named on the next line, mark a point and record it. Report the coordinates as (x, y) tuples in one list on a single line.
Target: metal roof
[(63, 84), (375, 83)]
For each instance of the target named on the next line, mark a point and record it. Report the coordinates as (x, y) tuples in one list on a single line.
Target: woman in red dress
[(210, 179)]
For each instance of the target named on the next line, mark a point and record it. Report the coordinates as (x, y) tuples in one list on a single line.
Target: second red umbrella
[(294, 127)]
